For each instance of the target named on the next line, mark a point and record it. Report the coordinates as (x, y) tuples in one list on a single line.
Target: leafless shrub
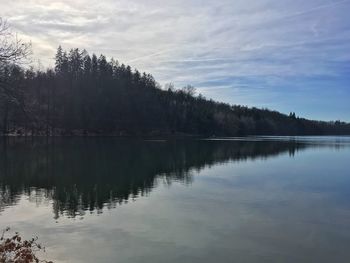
[(14, 249)]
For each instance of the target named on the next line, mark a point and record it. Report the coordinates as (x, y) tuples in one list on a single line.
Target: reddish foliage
[(14, 249)]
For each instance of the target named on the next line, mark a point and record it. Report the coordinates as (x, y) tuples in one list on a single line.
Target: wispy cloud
[(225, 48)]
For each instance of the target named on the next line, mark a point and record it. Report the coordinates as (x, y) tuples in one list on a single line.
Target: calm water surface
[(266, 199)]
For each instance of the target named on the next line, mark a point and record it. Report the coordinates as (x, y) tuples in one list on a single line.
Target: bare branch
[(12, 49)]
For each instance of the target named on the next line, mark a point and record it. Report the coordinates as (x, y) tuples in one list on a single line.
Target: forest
[(90, 95)]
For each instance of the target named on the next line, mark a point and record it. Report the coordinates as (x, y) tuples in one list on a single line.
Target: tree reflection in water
[(89, 174)]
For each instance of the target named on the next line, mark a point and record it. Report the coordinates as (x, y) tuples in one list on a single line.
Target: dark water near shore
[(258, 199)]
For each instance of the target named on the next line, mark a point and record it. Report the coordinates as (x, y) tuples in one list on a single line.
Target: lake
[(254, 199)]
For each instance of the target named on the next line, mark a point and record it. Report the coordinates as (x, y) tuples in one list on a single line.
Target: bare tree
[(12, 49), (189, 90)]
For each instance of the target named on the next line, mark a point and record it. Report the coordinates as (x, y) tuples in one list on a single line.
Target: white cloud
[(195, 41)]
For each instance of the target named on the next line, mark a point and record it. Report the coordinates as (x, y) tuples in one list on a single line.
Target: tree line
[(89, 95)]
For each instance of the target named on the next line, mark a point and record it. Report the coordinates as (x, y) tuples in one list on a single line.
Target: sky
[(285, 55)]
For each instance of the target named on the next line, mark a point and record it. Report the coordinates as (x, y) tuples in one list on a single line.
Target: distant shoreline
[(158, 135)]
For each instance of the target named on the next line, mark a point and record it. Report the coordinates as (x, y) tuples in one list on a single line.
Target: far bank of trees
[(89, 95)]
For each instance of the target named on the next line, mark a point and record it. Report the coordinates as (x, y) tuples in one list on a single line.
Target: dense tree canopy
[(90, 95)]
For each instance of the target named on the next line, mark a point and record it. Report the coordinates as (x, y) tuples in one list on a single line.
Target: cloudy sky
[(288, 55)]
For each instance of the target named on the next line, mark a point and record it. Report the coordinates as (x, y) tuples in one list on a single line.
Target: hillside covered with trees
[(90, 95)]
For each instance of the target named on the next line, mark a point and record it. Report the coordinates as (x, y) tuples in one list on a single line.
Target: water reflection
[(80, 175)]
